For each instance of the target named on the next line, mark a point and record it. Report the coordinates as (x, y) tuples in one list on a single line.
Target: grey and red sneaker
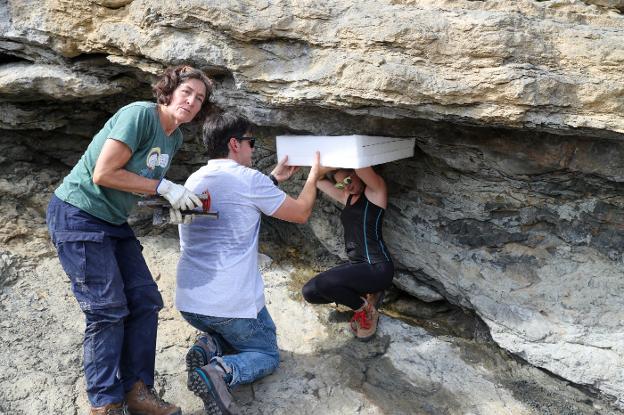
[(364, 322), (208, 383), (204, 349)]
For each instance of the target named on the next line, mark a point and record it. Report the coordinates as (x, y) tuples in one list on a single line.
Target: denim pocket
[(78, 252)]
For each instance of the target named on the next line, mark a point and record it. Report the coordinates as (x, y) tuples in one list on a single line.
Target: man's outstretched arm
[(299, 210)]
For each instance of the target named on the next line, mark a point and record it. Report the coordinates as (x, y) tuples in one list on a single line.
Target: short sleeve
[(130, 125), (265, 195)]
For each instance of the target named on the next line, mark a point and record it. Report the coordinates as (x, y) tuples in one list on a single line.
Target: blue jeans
[(253, 341), (117, 294)]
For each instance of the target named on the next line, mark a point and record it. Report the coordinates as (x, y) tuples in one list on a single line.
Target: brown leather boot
[(145, 401), (110, 409)]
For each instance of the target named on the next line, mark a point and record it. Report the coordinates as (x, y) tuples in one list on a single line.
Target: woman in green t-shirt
[(87, 220)]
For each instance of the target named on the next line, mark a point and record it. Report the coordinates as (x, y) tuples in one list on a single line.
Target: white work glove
[(176, 217), (179, 196)]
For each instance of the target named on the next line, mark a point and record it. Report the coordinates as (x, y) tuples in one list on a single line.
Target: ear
[(234, 145)]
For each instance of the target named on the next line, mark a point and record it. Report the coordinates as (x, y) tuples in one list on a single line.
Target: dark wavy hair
[(173, 77), (219, 127)]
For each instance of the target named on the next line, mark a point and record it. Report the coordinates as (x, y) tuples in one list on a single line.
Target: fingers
[(317, 160), (195, 200), (188, 201), (175, 216)]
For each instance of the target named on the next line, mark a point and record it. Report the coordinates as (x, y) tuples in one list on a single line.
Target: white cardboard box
[(347, 151)]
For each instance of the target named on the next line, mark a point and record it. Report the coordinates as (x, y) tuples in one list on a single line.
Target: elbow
[(302, 219), (98, 178)]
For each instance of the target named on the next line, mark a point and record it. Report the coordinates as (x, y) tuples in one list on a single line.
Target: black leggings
[(347, 283)]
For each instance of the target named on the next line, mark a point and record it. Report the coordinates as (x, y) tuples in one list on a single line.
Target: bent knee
[(272, 363), (309, 292)]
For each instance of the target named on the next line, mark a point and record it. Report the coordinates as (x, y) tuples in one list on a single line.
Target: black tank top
[(362, 223)]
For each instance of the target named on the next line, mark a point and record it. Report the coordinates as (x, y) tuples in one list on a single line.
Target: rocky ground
[(445, 365)]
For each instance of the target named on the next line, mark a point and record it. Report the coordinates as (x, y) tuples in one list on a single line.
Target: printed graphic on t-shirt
[(154, 159)]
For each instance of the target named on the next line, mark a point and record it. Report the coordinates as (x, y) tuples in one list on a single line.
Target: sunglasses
[(344, 183), (252, 140)]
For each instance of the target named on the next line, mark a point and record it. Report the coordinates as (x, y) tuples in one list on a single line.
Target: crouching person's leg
[(255, 341)]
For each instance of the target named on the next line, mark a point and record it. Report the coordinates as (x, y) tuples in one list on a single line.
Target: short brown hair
[(173, 77), (219, 127)]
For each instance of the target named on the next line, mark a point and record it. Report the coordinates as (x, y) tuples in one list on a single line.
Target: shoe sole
[(362, 338), (365, 339), (179, 412), (200, 384), (196, 357)]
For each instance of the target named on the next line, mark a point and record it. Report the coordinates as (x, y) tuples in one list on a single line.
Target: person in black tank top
[(360, 283)]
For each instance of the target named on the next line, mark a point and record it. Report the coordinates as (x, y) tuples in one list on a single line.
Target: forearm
[(307, 197), (124, 180)]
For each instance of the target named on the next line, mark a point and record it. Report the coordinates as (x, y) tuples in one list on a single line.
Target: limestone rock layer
[(511, 207)]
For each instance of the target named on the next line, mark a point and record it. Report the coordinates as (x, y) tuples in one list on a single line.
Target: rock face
[(512, 206), (323, 369)]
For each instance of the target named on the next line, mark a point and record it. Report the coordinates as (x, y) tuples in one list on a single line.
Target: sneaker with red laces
[(364, 322)]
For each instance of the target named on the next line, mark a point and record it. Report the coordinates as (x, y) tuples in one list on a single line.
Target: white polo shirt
[(218, 271)]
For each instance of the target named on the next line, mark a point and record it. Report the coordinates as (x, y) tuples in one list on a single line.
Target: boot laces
[(362, 319), (123, 410), (154, 395)]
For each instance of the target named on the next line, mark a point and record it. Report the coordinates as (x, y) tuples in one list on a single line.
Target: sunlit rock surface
[(512, 205)]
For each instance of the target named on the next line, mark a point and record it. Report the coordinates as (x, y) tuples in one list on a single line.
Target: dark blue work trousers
[(116, 292)]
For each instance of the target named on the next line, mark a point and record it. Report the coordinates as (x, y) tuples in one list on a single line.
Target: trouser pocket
[(89, 262), (76, 250)]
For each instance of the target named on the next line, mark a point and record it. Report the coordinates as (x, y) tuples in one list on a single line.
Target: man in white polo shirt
[(219, 287)]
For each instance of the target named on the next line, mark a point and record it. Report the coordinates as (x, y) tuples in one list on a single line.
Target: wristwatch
[(273, 179)]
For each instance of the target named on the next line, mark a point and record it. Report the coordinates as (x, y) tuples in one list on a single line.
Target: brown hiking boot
[(208, 383), (364, 322), (110, 409), (143, 400), (204, 349)]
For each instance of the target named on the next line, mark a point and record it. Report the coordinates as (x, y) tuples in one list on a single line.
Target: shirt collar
[(222, 162)]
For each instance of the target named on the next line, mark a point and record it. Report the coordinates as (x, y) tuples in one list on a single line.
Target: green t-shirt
[(137, 125)]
